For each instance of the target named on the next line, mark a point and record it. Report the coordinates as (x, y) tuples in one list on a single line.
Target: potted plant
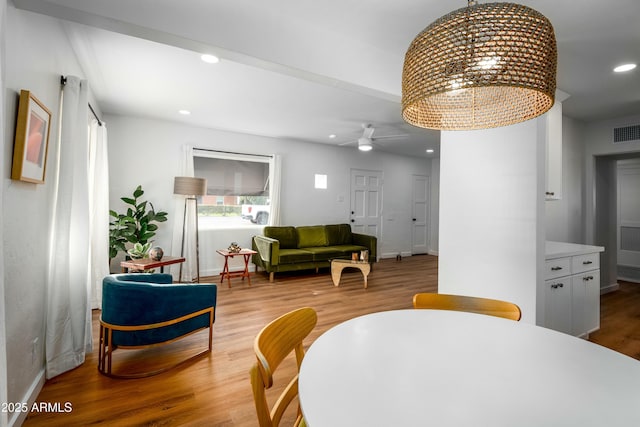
[(139, 251), (137, 225)]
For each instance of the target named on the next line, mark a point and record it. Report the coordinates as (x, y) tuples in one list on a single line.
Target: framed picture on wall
[(32, 139)]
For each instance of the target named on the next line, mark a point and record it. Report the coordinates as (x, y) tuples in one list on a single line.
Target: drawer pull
[(587, 262), (549, 193), (587, 278), (557, 285), (556, 268)]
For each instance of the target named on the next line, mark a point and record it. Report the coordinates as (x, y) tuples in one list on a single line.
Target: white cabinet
[(558, 305), (569, 299), (585, 302), (553, 136)]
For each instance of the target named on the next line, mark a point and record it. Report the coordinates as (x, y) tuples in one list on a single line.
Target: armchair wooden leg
[(101, 349), (271, 277)]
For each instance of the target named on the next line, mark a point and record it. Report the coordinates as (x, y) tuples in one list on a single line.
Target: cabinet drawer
[(557, 268), (586, 262)]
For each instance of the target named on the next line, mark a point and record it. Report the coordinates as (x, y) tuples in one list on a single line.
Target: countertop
[(560, 249)]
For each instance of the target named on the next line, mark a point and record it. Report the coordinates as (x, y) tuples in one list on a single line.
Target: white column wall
[(492, 214)]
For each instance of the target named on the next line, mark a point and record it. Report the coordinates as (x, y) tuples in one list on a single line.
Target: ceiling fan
[(366, 141)]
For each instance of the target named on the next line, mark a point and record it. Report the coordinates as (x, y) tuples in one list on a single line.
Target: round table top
[(448, 368)]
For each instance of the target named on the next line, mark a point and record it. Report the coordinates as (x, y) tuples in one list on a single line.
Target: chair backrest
[(272, 345), (487, 306)]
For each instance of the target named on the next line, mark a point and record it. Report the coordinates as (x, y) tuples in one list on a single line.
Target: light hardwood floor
[(215, 390)]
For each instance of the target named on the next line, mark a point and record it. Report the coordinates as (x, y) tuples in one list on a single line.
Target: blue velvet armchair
[(146, 310)]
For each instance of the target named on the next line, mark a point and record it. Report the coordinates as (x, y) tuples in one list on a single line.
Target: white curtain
[(68, 327), (189, 267), (275, 174), (98, 209)]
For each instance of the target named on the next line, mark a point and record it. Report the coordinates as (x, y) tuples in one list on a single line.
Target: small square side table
[(246, 253)]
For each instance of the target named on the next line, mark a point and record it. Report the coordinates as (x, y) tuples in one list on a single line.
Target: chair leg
[(271, 277), (101, 349), (211, 330), (109, 351)]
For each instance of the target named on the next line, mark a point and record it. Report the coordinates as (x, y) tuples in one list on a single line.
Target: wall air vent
[(626, 134)]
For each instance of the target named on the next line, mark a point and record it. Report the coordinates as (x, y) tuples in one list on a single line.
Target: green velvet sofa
[(287, 248)]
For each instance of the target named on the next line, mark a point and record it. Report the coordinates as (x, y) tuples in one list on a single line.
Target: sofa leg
[(271, 277)]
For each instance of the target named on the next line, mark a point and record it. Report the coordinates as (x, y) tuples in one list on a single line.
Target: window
[(238, 189), (321, 181)]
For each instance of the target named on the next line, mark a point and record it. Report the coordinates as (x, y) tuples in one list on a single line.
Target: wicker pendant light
[(481, 66)]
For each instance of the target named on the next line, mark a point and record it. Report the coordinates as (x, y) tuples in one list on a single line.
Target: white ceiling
[(304, 69)]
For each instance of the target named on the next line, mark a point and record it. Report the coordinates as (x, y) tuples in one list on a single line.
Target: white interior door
[(366, 202), (420, 220)]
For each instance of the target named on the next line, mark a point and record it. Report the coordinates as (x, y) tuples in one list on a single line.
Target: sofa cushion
[(287, 236), (345, 251), (326, 253), (294, 256), (338, 234), (312, 236)]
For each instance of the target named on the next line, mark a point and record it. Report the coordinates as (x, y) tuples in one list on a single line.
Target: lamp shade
[(481, 66), (189, 186)]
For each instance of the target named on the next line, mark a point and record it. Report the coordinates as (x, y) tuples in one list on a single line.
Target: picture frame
[(32, 139)]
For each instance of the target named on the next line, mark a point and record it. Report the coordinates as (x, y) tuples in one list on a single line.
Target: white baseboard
[(18, 418), (388, 255), (628, 279), (610, 288)]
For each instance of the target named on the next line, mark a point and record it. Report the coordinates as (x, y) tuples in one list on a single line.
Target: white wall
[(492, 214), (37, 53), (147, 152), (3, 339)]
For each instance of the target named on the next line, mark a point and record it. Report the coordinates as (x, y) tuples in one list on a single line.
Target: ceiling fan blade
[(348, 142), (390, 137)]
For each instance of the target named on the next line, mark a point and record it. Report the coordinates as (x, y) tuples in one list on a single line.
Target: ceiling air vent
[(625, 134)]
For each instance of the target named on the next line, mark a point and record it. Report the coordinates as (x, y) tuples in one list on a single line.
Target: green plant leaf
[(146, 236), (138, 192), (128, 200)]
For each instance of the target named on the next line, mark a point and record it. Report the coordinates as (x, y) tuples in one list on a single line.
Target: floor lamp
[(191, 188)]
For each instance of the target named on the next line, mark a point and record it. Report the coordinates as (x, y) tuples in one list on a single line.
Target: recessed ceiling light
[(333, 136), (624, 67), (184, 112), (210, 59), (430, 150)]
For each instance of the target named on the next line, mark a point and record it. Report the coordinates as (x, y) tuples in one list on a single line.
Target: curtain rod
[(233, 152), (63, 81)]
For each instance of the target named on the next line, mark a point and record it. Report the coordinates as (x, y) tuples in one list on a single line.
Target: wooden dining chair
[(272, 345), (478, 305)]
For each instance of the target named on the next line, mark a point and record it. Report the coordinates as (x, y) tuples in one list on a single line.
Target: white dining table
[(448, 368)]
